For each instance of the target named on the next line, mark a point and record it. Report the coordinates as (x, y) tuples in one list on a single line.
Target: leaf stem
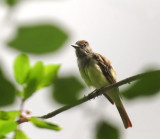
[(22, 106)]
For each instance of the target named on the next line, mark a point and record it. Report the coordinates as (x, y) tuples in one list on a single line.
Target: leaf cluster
[(35, 77), (31, 78)]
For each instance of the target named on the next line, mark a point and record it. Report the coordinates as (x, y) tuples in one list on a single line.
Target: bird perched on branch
[(97, 71)]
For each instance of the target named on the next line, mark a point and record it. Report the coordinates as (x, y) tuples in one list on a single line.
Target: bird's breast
[(91, 73)]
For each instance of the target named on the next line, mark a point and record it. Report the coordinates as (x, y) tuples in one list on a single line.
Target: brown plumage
[(85, 57), (106, 68)]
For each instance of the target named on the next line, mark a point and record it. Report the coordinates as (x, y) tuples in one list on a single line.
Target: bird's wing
[(110, 75), (106, 68)]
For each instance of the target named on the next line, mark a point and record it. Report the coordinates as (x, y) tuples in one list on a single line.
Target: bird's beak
[(75, 46)]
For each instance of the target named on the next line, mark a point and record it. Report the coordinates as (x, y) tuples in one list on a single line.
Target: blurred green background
[(126, 32)]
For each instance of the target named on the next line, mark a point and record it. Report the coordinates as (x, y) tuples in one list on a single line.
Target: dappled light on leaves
[(148, 85), (39, 39), (7, 91), (67, 89), (106, 131)]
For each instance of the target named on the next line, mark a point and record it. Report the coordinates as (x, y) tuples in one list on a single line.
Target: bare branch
[(95, 93)]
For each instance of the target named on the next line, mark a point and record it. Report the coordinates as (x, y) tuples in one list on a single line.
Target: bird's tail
[(124, 116), (113, 97)]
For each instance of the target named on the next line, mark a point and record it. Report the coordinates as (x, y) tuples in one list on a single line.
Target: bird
[(97, 71)]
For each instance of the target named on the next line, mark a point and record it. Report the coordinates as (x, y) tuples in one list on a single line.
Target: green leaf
[(39, 39), (107, 131), (21, 68), (19, 134), (50, 73), (43, 124), (35, 76), (9, 115), (67, 89), (11, 2), (36, 72), (30, 89), (7, 91), (7, 127), (3, 137), (148, 85)]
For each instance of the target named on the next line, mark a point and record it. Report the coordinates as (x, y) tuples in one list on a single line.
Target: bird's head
[(82, 48)]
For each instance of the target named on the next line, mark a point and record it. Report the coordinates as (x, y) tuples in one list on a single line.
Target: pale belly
[(93, 76)]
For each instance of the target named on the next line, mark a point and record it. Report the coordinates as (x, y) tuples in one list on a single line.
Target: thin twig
[(95, 94), (21, 106)]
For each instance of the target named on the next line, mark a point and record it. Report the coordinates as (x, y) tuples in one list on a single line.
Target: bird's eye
[(86, 43)]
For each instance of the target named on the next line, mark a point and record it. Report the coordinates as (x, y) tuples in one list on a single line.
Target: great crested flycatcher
[(97, 71)]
